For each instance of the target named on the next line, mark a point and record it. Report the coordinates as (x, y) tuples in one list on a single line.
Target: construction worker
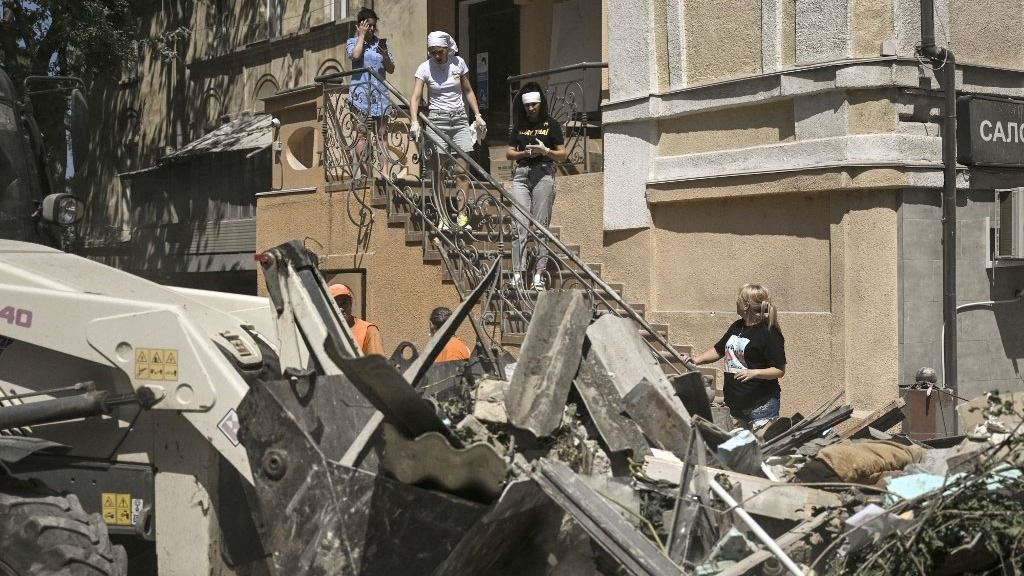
[(367, 335), (455, 348)]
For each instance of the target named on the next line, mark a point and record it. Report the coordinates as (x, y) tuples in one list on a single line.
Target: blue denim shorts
[(759, 416)]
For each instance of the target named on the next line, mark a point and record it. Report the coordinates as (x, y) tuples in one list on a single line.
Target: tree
[(81, 38)]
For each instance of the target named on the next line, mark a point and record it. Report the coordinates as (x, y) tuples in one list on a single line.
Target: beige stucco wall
[(829, 260), (401, 289), (727, 129), (535, 49), (718, 48), (872, 25), (987, 32), (872, 111)]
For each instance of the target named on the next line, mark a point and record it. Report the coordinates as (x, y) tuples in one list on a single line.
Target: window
[(265, 87)]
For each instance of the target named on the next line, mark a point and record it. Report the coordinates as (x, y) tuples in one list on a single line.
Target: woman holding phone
[(368, 96)]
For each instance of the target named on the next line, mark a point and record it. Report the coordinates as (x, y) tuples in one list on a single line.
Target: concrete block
[(922, 239), (771, 35), (548, 360), (489, 405), (617, 345), (628, 152), (595, 383), (662, 418), (822, 31), (822, 115), (922, 280)]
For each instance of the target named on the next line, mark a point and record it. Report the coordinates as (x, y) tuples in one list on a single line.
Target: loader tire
[(43, 533)]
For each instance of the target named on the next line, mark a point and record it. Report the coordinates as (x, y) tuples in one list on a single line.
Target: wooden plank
[(604, 524), (891, 411), (785, 542), (759, 495)]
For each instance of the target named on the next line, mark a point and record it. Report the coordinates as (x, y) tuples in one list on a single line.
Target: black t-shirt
[(548, 131), (751, 347)]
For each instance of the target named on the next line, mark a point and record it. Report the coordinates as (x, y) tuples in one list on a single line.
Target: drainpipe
[(943, 58)]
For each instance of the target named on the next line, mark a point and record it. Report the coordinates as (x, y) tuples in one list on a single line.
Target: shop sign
[(990, 131)]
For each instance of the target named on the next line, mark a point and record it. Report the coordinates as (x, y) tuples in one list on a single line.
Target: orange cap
[(339, 290)]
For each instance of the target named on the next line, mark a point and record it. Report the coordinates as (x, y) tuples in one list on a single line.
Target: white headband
[(531, 97), (439, 39)]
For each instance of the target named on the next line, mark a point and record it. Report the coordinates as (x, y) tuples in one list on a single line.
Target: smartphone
[(383, 44)]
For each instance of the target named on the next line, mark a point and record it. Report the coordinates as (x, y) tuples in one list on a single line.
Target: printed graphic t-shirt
[(751, 347), (548, 131), (444, 82)]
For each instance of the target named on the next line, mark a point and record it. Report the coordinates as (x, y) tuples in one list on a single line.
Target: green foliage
[(975, 523), (70, 38)]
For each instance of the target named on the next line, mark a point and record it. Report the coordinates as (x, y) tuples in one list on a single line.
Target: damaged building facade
[(795, 144)]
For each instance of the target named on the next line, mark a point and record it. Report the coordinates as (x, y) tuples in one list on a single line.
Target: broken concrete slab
[(489, 403), (604, 405), (548, 360), (663, 421), (742, 454), (759, 495), (615, 346)]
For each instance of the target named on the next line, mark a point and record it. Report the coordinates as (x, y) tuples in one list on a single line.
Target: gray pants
[(533, 188)]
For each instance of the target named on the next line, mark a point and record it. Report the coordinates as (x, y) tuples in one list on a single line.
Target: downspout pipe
[(943, 59)]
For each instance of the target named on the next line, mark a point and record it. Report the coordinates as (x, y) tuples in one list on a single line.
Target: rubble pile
[(585, 458)]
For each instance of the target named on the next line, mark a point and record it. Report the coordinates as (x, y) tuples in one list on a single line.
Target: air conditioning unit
[(1009, 216)]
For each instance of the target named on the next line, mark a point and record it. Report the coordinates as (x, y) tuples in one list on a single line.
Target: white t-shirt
[(444, 82)]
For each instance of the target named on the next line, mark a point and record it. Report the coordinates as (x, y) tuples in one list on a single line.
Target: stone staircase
[(403, 216)]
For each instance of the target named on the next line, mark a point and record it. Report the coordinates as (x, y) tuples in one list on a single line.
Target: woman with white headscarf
[(536, 143), (446, 77)]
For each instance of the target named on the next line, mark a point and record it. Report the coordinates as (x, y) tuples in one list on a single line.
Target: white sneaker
[(517, 280), (538, 282)]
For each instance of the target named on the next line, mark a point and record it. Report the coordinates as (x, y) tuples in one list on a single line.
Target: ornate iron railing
[(457, 211), (569, 91)]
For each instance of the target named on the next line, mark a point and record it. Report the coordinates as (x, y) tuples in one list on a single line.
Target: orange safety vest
[(359, 332), (455, 349)]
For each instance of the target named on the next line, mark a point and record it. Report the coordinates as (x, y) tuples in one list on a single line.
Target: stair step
[(399, 218)]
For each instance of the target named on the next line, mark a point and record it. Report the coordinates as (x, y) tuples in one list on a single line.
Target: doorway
[(489, 42)]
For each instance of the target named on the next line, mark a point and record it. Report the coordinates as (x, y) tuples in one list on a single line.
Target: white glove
[(414, 130), (537, 147), (481, 129)]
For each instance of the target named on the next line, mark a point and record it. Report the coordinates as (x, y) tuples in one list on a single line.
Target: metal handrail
[(535, 227), (550, 71)]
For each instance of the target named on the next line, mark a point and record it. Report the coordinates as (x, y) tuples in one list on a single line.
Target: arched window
[(212, 111), (265, 87), (329, 66)]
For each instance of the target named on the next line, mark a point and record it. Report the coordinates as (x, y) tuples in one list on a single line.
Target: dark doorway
[(492, 41)]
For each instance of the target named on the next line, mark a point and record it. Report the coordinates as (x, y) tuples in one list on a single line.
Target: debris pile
[(588, 459)]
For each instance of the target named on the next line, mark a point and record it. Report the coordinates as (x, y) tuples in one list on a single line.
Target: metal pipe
[(755, 528), (944, 60), (56, 410)]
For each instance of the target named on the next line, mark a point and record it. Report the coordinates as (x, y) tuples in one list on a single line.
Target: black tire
[(43, 533)]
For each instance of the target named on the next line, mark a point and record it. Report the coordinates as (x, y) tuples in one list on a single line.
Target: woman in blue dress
[(368, 97)]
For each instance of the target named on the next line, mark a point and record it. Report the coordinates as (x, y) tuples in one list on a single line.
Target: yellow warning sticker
[(124, 509), (108, 503), (156, 364), (119, 509)]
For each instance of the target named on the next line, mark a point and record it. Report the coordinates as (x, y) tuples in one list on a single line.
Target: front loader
[(234, 434)]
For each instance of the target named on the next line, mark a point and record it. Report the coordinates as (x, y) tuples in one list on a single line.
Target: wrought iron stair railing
[(455, 209)]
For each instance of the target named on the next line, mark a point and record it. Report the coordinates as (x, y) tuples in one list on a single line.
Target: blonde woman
[(755, 358)]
